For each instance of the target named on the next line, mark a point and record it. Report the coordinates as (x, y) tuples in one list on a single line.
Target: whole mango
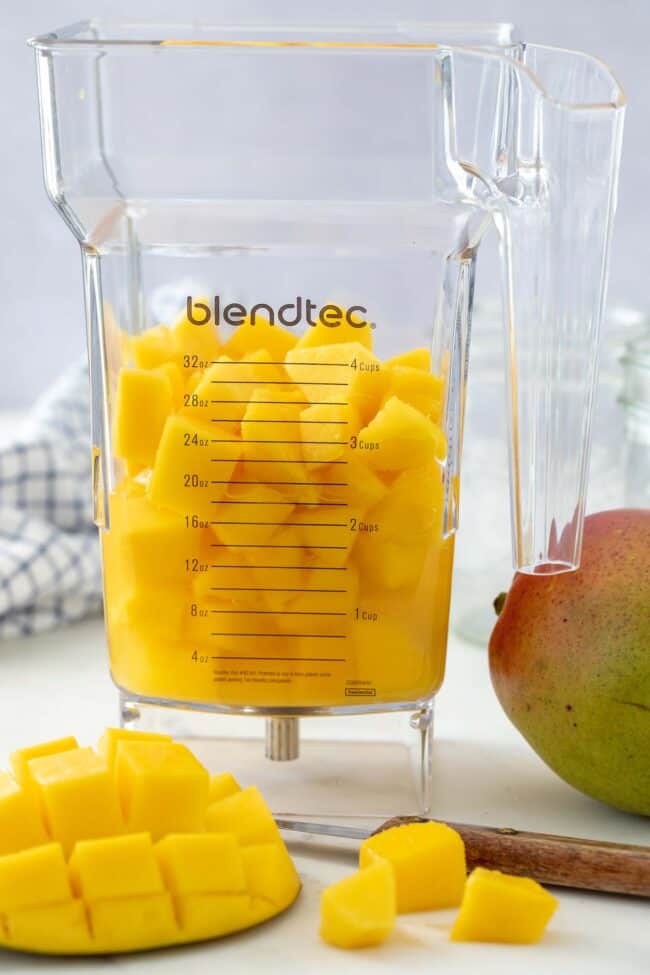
[(570, 662)]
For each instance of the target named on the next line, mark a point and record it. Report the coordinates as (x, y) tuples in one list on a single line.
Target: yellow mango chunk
[(227, 386), (259, 333), (249, 513), (193, 467), (351, 481), (78, 796), (270, 873), (20, 759), (20, 821), (53, 929), (245, 814), (163, 787), (421, 389), (414, 358), (198, 345), (153, 348), (335, 325), (117, 866), (498, 907), (408, 519), (152, 543), (107, 744), (221, 786), (359, 911), (133, 923), (272, 448), (400, 436), (33, 877), (144, 401), (326, 429), (175, 377), (428, 862), (213, 915), (161, 612), (202, 863), (325, 373)]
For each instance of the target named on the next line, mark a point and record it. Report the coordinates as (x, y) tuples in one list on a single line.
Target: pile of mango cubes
[(422, 867), (264, 480), (132, 846)]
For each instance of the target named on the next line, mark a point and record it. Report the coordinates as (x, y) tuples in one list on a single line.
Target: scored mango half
[(132, 846)]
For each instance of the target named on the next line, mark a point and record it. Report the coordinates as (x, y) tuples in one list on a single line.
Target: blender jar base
[(365, 766)]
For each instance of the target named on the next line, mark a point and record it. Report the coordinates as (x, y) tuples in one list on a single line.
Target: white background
[(41, 318)]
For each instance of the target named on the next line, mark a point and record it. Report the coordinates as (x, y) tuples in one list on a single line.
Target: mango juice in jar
[(276, 525)]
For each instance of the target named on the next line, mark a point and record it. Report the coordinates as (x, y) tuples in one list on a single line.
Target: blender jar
[(278, 234)]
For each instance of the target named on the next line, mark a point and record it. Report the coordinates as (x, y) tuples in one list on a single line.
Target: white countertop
[(484, 772)]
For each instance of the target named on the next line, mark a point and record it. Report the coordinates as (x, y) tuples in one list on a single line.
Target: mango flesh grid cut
[(211, 552), (130, 847)]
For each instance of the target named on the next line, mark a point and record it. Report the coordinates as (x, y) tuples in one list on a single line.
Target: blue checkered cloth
[(50, 571)]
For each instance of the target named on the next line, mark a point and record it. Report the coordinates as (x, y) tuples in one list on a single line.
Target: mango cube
[(177, 385), (153, 348), (78, 796), (498, 907), (144, 401), (193, 467), (359, 911), (33, 877), (117, 866), (212, 915), (201, 863), (222, 785), (326, 429), (270, 873), (325, 373), (421, 389), (53, 929), (259, 333), (20, 821), (250, 513), (245, 814), (197, 345), (107, 744), (428, 861), (134, 923), (228, 385), (334, 326), (20, 759), (414, 358), (399, 436), (163, 787)]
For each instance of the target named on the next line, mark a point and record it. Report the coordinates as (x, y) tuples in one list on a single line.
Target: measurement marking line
[(230, 419), (314, 568), (288, 524), (286, 443), (271, 382), (303, 504), (269, 460), (270, 589), (336, 548), (316, 660), (279, 402), (243, 362), (290, 636), (271, 612), (290, 483)]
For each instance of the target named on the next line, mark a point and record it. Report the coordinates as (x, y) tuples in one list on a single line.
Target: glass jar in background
[(620, 456)]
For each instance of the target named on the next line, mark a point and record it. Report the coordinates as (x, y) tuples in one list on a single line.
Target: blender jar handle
[(553, 211)]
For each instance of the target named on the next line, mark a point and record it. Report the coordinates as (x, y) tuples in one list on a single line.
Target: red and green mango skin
[(570, 662)]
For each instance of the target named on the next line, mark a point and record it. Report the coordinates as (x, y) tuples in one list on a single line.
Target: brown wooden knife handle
[(564, 861)]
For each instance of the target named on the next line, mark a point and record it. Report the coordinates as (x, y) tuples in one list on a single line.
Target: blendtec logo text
[(290, 314)]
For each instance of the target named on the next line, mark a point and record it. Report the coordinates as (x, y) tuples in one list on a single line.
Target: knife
[(563, 861)]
